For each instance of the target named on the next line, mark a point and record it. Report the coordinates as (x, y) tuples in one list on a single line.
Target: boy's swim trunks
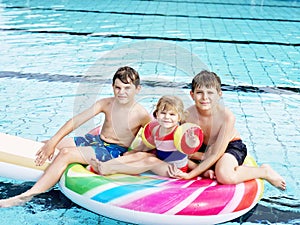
[(236, 148), (103, 151)]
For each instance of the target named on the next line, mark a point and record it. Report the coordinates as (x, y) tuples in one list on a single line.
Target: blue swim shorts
[(103, 151)]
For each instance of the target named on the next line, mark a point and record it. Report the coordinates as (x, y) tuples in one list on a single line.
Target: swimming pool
[(52, 52)]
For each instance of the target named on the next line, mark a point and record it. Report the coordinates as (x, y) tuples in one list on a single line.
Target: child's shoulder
[(227, 110), (106, 100), (191, 109), (104, 103), (228, 114), (142, 112), (138, 107)]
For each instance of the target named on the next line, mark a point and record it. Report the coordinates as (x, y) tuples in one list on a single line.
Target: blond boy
[(223, 148)]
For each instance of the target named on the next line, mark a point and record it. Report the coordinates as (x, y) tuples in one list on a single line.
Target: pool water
[(57, 57)]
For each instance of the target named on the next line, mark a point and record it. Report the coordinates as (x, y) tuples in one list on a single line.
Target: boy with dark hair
[(123, 119)]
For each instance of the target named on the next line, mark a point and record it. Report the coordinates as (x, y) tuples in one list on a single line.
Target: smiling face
[(206, 90), (206, 98), (167, 118), (124, 93), (169, 113)]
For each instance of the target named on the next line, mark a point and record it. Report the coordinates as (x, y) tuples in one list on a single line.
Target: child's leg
[(144, 162), (207, 174), (129, 164), (50, 177), (229, 172), (162, 168), (134, 164), (67, 142)]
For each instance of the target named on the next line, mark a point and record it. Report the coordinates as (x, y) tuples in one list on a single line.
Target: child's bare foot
[(274, 178), (94, 165), (100, 167), (209, 174), (14, 201)]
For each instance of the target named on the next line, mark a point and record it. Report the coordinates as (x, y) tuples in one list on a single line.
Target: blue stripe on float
[(117, 192), (114, 193)]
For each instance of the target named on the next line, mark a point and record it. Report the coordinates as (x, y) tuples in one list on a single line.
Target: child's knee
[(65, 154), (151, 160), (140, 155), (225, 177)]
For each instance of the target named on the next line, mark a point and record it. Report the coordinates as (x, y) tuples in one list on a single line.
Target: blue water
[(57, 57)]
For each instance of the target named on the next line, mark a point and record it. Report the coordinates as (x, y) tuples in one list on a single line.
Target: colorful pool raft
[(143, 199), (150, 199)]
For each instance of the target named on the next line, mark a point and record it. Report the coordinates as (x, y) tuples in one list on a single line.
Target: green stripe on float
[(84, 183)]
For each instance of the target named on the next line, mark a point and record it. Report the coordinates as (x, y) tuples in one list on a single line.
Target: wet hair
[(171, 103), (206, 79), (127, 75)]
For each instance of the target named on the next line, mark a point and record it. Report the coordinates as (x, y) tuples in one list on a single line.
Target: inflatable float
[(17, 157), (141, 199)]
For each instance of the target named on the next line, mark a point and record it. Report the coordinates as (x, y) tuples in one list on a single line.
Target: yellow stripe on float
[(21, 161)]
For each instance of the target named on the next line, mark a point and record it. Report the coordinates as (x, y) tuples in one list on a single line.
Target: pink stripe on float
[(188, 200), (167, 199), (236, 199), (202, 183), (159, 202), (188, 183), (178, 183), (210, 202)]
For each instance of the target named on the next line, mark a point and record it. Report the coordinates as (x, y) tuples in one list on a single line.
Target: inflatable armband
[(188, 138), (147, 136)]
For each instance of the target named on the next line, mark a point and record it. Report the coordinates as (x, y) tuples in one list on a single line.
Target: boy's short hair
[(127, 75), (207, 79)]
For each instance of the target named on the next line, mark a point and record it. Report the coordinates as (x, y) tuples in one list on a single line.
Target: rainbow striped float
[(142, 199), (151, 199)]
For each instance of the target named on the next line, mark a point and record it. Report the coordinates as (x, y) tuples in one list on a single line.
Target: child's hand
[(174, 172), (183, 175), (44, 153)]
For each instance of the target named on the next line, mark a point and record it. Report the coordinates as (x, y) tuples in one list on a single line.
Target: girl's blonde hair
[(171, 103)]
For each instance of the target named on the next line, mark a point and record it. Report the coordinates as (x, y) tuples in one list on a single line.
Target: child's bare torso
[(121, 124), (210, 124)]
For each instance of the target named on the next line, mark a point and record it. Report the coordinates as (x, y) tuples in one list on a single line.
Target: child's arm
[(216, 150), (46, 152), (192, 165), (197, 156)]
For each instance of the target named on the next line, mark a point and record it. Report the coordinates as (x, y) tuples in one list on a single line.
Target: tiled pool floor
[(52, 52)]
